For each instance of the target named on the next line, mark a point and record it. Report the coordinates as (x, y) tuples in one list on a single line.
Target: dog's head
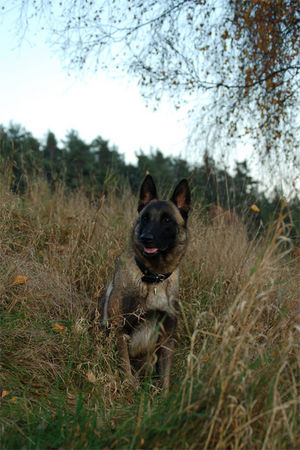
[(160, 232)]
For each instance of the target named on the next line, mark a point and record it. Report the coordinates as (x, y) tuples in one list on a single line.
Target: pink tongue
[(150, 250)]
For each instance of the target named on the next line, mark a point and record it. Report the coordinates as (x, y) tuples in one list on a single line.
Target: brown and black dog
[(140, 303)]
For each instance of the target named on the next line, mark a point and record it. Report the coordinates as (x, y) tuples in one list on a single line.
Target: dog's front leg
[(123, 353), (125, 364), (116, 316), (165, 357)]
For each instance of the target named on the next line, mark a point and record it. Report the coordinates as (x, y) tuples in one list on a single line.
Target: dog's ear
[(147, 192), (182, 198)]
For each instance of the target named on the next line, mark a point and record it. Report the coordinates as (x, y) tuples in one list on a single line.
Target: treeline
[(98, 167)]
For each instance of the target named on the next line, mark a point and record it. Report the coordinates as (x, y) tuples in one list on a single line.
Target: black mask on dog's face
[(157, 229)]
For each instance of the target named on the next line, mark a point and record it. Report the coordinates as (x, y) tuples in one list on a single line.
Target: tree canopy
[(236, 62)]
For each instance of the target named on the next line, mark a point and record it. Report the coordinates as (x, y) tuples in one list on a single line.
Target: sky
[(37, 93)]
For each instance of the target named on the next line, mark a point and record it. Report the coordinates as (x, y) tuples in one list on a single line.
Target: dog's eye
[(166, 219)]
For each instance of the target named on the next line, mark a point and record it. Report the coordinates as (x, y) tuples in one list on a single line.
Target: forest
[(97, 167)]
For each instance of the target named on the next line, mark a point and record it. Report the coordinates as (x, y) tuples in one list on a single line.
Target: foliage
[(238, 59), (20, 155)]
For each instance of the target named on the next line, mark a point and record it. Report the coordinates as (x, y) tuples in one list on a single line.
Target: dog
[(141, 302)]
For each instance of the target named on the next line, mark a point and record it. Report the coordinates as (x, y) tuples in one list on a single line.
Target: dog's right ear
[(147, 192)]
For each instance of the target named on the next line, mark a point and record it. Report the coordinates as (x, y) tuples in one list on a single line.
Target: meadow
[(235, 377)]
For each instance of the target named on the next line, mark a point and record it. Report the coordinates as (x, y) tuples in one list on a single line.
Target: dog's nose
[(147, 237)]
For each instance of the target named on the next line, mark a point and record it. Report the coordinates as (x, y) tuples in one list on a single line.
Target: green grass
[(235, 377)]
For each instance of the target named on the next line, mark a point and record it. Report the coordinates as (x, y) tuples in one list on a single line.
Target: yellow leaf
[(4, 393), (13, 399), (20, 279), (255, 208), (91, 377), (58, 328)]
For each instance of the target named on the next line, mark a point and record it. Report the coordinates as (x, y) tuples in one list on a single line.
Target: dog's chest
[(158, 298)]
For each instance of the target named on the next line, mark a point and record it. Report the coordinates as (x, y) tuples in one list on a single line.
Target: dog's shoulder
[(127, 272)]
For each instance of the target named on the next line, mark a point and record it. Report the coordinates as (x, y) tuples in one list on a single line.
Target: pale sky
[(37, 93)]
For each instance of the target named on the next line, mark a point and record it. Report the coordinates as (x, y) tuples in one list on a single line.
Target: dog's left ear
[(182, 198), (147, 192)]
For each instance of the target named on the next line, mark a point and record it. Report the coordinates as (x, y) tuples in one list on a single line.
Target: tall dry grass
[(235, 378)]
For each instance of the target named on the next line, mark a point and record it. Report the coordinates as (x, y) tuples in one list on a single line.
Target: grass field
[(235, 378)]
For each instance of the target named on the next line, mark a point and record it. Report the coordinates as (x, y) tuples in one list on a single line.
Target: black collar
[(149, 276)]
